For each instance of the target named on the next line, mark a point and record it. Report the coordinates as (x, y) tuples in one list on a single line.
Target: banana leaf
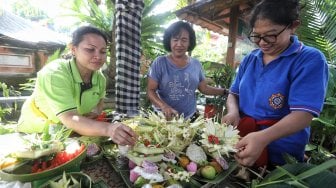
[(301, 175)]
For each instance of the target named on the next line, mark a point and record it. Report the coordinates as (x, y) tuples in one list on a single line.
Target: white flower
[(217, 137)]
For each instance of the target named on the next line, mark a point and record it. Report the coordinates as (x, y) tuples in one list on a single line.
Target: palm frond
[(319, 27)]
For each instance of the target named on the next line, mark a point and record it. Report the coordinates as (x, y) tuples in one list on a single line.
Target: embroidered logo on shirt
[(276, 101)]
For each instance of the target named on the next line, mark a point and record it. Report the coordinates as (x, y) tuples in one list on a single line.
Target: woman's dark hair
[(174, 30), (77, 35), (282, 12)]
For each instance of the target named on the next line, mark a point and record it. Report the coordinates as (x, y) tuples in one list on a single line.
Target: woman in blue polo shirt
[(278, 89), (71, 92)]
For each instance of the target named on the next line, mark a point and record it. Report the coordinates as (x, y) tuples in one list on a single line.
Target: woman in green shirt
[(71, 92)]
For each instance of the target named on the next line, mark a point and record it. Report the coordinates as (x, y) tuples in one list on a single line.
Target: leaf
[(318, 169), (310, 147), (295, 180), (312, 175)]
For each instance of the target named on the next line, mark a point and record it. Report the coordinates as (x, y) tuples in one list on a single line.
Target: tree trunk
[(111, 69)]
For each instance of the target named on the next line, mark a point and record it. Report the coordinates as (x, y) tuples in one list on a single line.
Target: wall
[(18, 64)]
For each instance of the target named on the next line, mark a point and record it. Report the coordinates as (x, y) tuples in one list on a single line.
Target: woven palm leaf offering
[(156, 136), (39, 156), (161, 142), (173, 152), (216, 141)]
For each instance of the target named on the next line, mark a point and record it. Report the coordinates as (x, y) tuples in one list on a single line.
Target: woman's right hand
[(169, 112), (122, 134), (231, 119)]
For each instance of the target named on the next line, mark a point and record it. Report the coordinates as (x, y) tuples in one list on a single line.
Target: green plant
[(318, 30), (221, 76), (300, 175), (317, 154), (324, 126), (4, 112), (70, 180), (207, 48), (318, 26), (152, 26), (102, 15), (7, 91)]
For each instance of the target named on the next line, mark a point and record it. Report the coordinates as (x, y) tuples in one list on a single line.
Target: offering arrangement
[(179, 152)]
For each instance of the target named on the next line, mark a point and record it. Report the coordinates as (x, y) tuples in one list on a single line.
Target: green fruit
[(208, 172), (139, 182)]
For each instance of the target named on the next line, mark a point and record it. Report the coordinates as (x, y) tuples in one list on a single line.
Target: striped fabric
[(128, 22)]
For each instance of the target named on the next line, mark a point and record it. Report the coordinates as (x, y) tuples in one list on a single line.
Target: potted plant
[(221, 75)]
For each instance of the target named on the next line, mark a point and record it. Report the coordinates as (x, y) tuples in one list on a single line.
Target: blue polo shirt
[(295, 81)]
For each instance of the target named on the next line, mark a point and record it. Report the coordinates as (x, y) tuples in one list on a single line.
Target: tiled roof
[(15, 28), (214, 15)]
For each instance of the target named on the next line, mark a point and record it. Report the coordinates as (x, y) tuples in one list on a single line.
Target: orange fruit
[(217, 166), (184, 161)]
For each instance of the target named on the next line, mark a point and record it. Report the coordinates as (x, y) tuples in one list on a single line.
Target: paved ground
[(102, 170)]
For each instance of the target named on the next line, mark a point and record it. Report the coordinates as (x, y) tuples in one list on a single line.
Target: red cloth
[(248, 125)]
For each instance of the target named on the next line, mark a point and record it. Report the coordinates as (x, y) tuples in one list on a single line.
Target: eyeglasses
[(266, 38)]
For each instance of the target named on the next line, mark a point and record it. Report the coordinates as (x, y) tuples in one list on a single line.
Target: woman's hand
[(122, 134), (250, 148), (169, 112), (231, 119)]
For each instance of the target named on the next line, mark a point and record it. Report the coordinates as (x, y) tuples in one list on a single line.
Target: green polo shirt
[(59, 88)]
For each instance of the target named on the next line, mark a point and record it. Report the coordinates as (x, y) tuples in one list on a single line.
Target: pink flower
[(192, 167), (133, 176)]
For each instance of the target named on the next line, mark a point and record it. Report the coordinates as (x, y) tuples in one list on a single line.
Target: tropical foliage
[(25, 9), (151, 28), (318, 30), (300, 175), (319, 26), (91, 12), (208, 48), (102, 15)]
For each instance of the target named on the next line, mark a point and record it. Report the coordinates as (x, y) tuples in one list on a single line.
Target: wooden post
[(233, 29)]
